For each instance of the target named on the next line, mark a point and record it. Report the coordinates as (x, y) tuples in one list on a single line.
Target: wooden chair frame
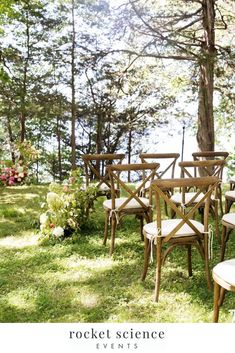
[(209, 168), (115, 214), (109, 159), (220, 285), (157, 157), (227, 228), (222, 155), (232, 185), (145, 157), (200, 240), (229, 200)]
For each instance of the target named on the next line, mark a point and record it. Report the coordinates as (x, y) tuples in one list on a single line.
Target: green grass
[(77, 281)]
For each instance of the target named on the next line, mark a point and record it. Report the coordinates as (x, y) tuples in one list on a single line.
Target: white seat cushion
[(229, 218), (226, 271), (131, 204), (233, 178), (168, 225), (104, 187), (230, 194), (177, 198)]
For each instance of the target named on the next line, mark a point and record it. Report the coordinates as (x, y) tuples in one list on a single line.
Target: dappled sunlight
[(75, 280), (21, 299), (96, 264), (19, 241), (88, 300)]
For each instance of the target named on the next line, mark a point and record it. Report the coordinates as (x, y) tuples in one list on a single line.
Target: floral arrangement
[(12, 175), (16, 174), (66, 207)]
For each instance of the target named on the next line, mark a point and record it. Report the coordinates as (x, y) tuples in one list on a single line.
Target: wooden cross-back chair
[(228, 225), (232, 183), (198, 156), (167, 163), (212, 155), (229, 200), (166, 234), (230, 195), (95, 170), (169, 158), (132, 203), (224, 279), (191, 169)]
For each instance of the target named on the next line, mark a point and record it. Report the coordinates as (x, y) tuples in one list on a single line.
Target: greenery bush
[(66, 208)]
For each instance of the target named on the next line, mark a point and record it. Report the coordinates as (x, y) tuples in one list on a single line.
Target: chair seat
[(232, 179), (230, 194), (105, 187), (177, 198), (229, 218), (226, 271), (150, 229), (132, 204)]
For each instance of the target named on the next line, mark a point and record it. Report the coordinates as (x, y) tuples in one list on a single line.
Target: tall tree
[(182, 30)]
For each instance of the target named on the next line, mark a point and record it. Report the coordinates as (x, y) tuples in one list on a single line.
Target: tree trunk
[(205, 133), (58, 136), (25, 81), (10, 135), (129, 145), (73, 103)]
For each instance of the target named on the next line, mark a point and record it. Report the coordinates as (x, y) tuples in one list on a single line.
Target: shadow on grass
[(76, 281), (20, 208)]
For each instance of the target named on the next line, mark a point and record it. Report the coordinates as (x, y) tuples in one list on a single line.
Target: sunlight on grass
[(89, 300), (22, 299), (19, 242), (76, 280)]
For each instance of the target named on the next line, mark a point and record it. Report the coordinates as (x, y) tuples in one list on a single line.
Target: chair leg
[(221, 201), (217, 221), (113, 232), (166, 209), (216, 301), (172, 213), (147, 249), (158, 269), (190, 272), (228, 205), (223, 242), (207, 268), (221, 297), (106, 227), (141, 227)]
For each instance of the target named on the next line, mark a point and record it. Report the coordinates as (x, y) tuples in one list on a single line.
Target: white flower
[(54, 201), (58, 232), (43, 218), (20, 170), (51, 197), (42, 227)]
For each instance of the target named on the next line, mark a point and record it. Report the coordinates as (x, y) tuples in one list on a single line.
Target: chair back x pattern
[(114, 175), (209, 183), (209, 167), (108, 158), (197, 156), (147, 157)]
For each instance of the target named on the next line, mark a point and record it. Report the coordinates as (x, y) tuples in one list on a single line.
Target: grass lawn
[(77, 281)]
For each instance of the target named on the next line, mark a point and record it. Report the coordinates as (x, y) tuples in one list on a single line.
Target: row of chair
[(199, 189)]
